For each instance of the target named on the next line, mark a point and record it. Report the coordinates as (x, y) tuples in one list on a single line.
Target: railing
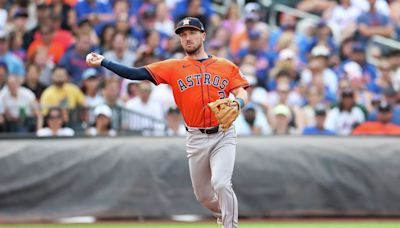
[(124, 121)]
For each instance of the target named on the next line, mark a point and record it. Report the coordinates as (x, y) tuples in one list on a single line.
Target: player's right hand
[(94, 59)]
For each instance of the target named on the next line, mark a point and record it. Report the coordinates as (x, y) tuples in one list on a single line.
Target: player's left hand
[(226, 110)]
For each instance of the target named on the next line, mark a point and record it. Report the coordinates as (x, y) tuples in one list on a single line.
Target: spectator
[(74, 60), (54, 125), (280, 125), (394, 15), (394, 60), (46, 65), (373, 23), (85, 28), (389, 95), (102, 124), (382, 126), (91, 87), (313, 98), (163, 95), (201, 9), (353, 74), (134, 36), (43, 13), (286, 66), (54, 48), (217, 48), (256, 47), (106, 37), (150, 111), (19, 22), (111, 97), (240, 39), (314, 6), (318, 67), (2, 121), (342, 118), (14, 65), (32, 80), (111, 93), (323, 37), (64, 37), (232, 21), (252, 121), (151, 50), (342, 18), (146, 23), (284, 95), (3, 74), (175, 126), (256, 94), (358, 55), (164, 24), (120, 52), (20, 107), (385, 78), (98, 12), (318, 128), (16, 42), (62, 93), (65, 12)]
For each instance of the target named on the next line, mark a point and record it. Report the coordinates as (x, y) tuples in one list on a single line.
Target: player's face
[(192, 40)]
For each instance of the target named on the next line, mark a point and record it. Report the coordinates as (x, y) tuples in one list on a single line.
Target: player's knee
[(204, 200), (219, 185)]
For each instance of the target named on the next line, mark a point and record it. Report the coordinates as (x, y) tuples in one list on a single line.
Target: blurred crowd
[(306, 76)]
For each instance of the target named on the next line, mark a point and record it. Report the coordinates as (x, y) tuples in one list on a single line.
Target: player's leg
[(222, 163), (200, 173)]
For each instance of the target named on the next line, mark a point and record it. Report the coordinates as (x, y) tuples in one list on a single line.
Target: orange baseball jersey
[(195, 84)]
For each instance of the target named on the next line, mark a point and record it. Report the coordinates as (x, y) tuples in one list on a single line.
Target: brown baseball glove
[(226, 110)]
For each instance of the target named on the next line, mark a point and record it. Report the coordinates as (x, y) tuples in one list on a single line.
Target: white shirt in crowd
[(341, 17), (162, 94), (243, 128), (181, 131), (128, 59), (342, 122), (94, 101), (47, 132), (329, 77), (25, 99), (294, 99), (93, 132), (381, 5), (150, 110)]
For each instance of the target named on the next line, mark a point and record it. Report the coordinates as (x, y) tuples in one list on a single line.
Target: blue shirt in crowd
[(317, 131)]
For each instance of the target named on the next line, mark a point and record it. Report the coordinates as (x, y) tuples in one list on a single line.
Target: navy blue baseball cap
[(189, 22)]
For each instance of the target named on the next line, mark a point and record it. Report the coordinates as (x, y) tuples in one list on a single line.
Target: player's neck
[(199, 55)]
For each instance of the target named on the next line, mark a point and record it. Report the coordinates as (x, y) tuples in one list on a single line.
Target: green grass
[(205, 225)]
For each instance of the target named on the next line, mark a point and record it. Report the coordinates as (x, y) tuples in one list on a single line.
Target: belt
[(206, 130)]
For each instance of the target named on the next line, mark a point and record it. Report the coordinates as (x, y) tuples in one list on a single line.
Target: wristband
[(240, 101), (104, 62)]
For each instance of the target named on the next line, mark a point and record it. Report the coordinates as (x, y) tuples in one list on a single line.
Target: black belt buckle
[(209, 130)]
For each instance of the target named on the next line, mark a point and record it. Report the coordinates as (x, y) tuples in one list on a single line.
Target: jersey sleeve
[(161, 71), (238, 79)]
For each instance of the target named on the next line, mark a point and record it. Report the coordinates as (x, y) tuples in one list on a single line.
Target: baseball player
[(201, 86)]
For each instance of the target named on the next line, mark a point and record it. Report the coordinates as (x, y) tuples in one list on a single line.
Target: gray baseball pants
[(211, 161)]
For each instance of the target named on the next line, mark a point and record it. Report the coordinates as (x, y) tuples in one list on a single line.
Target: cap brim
[(178, 29)]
